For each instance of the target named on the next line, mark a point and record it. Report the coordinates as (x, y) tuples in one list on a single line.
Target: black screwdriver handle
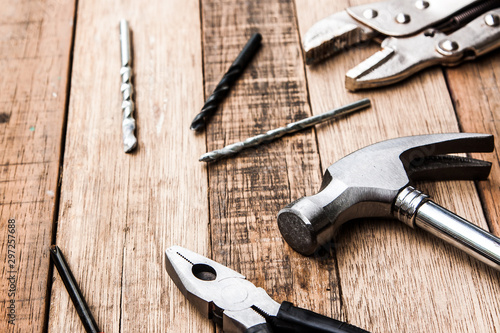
[(291, 319)]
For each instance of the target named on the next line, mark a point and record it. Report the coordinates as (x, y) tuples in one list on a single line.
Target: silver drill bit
[(279, 132), (128, 124)]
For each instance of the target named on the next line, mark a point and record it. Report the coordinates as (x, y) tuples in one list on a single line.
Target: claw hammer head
[(367, 182)]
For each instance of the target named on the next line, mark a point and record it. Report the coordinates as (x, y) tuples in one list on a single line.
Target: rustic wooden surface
[(477, 104), (35, 46), (384, 264), (125, 210), (113, 214), (246, 192)]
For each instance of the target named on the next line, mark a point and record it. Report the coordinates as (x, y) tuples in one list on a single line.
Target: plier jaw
[(411, 43), (218, 292)]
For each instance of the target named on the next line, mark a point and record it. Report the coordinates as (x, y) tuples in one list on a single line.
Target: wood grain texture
[(247, 191), (475, 90), (394, 279), (35, 48), (120, 212)]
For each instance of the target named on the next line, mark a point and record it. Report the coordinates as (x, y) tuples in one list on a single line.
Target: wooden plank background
[(65, 179), (35, 47)]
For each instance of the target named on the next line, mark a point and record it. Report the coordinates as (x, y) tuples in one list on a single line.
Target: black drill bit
[(227, 81), (74, 292)]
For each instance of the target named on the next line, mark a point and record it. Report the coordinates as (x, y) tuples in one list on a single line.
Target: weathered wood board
[(247, 191), (474, 89), (393, 278), (35, 46), (117, 213)]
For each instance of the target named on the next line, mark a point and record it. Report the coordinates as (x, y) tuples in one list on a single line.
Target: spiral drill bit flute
[(279, 132), (222, 89), (128, 124)]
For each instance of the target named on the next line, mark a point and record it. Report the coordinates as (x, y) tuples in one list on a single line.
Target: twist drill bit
[(128, 124), (222, 89), (279, 132), (74, 292)]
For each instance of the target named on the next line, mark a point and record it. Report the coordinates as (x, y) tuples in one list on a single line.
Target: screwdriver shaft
[(74, 292), (278, 132)]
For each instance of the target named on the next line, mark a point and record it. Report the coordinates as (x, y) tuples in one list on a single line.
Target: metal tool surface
[(376, 181), (128, 105), (288, 129), (416, 35), (232, 301)]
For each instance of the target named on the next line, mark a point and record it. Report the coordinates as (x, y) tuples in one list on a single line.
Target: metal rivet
[(370, 13), (421, 4), (447, 47), (492, 20), (403, 18)]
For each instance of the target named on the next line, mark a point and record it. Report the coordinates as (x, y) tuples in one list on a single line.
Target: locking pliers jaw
[(334, 34)]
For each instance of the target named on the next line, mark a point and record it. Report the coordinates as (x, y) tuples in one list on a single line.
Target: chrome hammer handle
[(414, 208)]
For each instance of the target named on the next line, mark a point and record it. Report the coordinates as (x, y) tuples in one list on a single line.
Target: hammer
[(375, 181)]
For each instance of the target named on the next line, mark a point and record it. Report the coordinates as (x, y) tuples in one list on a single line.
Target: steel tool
[(222, 89), (279, 132), (232, 301), (376, 181), (128, 106), (74, 292), (416, 34)]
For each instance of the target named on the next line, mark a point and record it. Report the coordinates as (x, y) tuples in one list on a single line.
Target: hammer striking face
[(375, 182)]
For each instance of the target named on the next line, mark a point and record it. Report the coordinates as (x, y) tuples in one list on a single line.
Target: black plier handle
[(292, 319)]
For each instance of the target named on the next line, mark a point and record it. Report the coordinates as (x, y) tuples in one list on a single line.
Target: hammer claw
[(448, 167), (413, 147)]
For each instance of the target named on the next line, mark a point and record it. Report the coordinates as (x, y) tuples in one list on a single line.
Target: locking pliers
[(415, 35), (232, 301)]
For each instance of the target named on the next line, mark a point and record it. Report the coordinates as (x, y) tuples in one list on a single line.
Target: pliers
[(232, 301), (415, 34)]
